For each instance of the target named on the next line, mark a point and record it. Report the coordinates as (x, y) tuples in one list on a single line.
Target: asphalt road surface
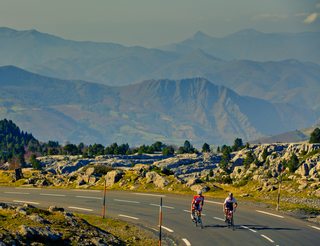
[(254, 226)]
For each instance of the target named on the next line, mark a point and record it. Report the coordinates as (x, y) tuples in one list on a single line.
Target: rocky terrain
[(256, 178), (26, 225)]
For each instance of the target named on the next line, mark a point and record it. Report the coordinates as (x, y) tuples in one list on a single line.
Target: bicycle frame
[(229, 217)]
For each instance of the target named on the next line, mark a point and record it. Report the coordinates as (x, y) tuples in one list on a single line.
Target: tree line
[(16, 146)]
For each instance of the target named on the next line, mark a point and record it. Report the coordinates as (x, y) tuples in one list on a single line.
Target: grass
[(125, 231), (128, 233)]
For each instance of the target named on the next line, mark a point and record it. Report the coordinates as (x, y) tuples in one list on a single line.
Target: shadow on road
[(254, 227), (216, 226), (262, 227)]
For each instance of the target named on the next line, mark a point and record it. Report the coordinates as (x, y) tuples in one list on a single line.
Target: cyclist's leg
[(193, 214)]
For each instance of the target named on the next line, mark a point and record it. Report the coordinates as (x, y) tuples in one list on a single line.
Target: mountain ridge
[(164, 110), (115, 65)]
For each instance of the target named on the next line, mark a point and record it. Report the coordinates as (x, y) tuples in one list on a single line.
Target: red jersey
[(198, 200)]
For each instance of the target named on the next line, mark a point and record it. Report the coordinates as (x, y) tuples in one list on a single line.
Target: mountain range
[(283, 80), (153, 110), (250, 44), (226, 95)]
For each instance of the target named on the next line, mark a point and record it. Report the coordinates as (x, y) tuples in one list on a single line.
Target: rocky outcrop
[(41, 228), (113, 177), (156, 179)]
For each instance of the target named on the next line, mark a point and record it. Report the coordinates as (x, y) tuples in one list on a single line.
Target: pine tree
[(293, 163), (206, 148), (315, 136)]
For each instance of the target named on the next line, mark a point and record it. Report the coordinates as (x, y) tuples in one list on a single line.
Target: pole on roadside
[(160, 221), (104, 199), (279, 189)]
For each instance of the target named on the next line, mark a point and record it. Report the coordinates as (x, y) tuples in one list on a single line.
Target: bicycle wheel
[(232, 223), (200, 222)]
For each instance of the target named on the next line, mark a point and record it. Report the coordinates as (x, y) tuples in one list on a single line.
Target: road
[(254, 226)]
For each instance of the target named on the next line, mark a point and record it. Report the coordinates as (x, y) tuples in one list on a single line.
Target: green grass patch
[(129, 233)]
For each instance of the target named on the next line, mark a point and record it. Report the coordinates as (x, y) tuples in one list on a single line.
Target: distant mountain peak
[(199, 35)]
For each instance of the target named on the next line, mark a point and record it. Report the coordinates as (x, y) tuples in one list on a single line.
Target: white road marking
[(18, 193), (186, 241), (127, 216), (248, 228), (166, 228), (48, 194), (275, 215), (148, 194), (154, 229), (314, 227), (188, 211), (268, 238), (157, 205), (36, 203), (89, 197), (96, 191), (220, 203), (27, 188), (118, 200), (218, 218), (83, 209)]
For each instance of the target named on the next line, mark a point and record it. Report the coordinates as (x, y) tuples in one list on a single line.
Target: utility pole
[(160, 221), (104, 199), (279, 188)]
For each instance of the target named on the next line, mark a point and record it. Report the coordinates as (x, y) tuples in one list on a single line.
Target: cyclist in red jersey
[(197, 204)]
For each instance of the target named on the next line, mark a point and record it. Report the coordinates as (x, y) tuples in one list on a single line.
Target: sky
[(153, 23)]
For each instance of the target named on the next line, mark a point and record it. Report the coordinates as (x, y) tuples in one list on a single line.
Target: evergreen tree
[(70, 149), (237, 145), (211, 173), (315, 136), (168, 150), (206, 148), (36, 164), (186, 148), (264, 154), (158, 146), (250, 158), (225, 158), (14, 142), (293, 163)]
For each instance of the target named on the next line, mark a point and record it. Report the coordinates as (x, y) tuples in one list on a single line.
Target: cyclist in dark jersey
[(197, 204)]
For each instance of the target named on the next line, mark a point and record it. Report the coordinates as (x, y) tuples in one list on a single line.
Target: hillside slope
[(154, 110)]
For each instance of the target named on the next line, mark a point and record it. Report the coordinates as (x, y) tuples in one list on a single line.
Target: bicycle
[(197, 219), (229, 219)]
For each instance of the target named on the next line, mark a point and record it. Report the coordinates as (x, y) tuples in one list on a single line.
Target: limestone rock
[(303, 170), (193, 181), (21, 210), (156, 179), (113, 177), (90, 171), (37, 218), (302, 186), (55, 209)]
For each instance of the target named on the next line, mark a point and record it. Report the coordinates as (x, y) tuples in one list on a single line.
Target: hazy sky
[(157, 22)]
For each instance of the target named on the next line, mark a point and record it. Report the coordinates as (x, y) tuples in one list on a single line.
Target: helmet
[(199, 192)]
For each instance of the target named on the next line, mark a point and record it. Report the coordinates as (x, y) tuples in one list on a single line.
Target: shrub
[(102, 169), (315, 136)]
